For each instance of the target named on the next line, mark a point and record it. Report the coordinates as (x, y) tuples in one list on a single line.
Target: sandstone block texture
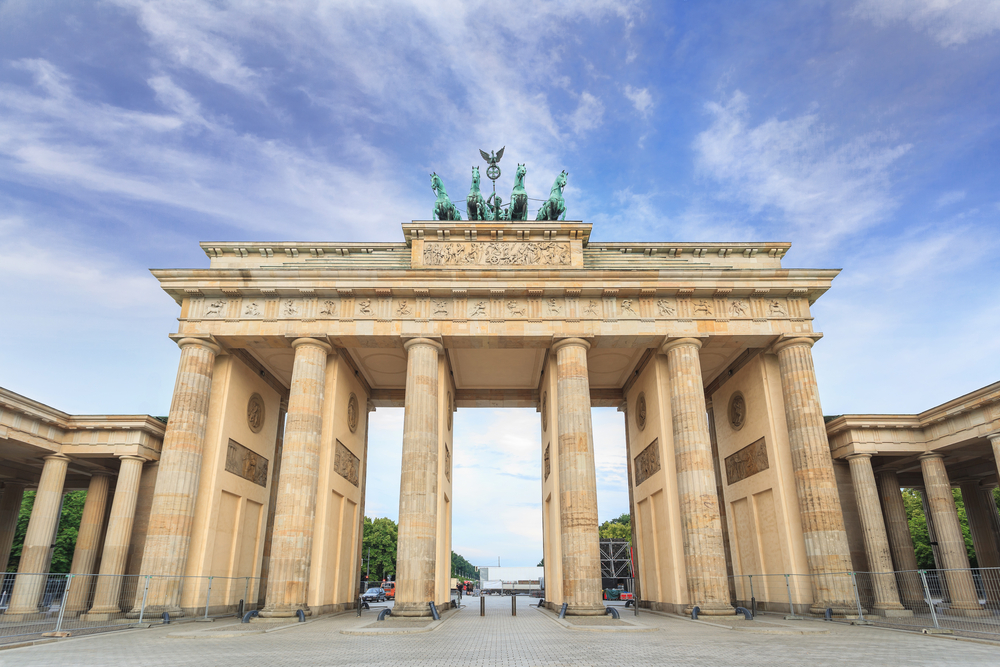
[(904, 558), (87, 543)]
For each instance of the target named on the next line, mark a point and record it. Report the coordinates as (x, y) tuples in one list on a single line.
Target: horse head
[(437, 185), (561, 180), (475, 177)]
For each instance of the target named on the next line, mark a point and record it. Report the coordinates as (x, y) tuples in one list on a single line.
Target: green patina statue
[(518, 196), (555, 206), (475, 204), (497, 210), (443, 208)]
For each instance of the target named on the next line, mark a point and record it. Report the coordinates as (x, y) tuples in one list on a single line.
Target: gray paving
[(530, 638)]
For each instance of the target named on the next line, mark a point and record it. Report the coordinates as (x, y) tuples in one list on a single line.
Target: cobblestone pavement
[(530, 638)]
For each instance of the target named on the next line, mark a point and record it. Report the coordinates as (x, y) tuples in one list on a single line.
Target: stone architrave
[(827, 550), (883, 580), (897, 527), (88, 541), (701, 522), (417, 547), (294, 518), (36, 552), (581, 556), (171, 516), (10, 507), (951, 542), (107, 592)]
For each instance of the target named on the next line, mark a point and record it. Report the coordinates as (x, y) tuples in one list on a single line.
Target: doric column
[(172, 513), (897, 527), (295, 513), (109, 584), (978, 508), (581, 550), (701, 523), (876, 541), (417, 547), (38, 540), (822, 519), (88, 541), (272, 505), (995, 441), (951, 542), (10, 508)]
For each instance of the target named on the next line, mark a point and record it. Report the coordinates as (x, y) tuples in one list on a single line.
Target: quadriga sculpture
[(518, 196), (443, 208), (554, 207), (475, 204)]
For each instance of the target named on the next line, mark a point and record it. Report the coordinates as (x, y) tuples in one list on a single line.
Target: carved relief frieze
[(666, 307), (548, 462), (346, 464), (215, 308), (447, 462), (477, 309), (647, 463), (255, 413), (628, 308), (328, 307), (353, 412), (365, 308), (290, 308), (497, 253), (739, 308), (253, 308), (592, 308), (750, 460), (246, 463)]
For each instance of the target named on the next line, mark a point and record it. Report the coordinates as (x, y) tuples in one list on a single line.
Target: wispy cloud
[(640, 99), (825, 186), (588, 115), (948, 22)]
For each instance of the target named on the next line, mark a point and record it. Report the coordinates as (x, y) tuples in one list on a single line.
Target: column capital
[(56, 457), (858, 455), (202, 342), (132, 457), (102, 473), (994, 437), (793, 341), (930, 455), (566, 342), (678, 342), (312, 341), (429, 342)]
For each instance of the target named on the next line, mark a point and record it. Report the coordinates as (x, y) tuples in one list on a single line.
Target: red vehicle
[(390, 589)]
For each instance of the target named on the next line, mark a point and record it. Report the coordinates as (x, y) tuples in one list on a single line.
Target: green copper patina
[(443, 208), (496, 208), (475, 205), (518, 196), (555, 206)]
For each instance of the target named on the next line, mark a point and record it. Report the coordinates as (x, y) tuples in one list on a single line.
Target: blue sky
[(863, 131)]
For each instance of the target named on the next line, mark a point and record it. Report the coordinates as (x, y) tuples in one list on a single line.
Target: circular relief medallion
[(451, 409), (737, 411), (255, 413), (352, 412), (640, 411), (545, 411)]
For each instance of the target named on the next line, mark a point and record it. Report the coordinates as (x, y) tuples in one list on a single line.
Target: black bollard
[(513, 605), (482, 605)]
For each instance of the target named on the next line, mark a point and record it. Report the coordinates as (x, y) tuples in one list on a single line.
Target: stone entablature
[(975, 415), (51, 431)]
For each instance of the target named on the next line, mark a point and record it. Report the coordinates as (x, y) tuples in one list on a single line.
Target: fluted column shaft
[(88, 541), (171, 515), (107, 593), (38, 540), (701, 522), (897, 526), (995, 442), (827, 550), (295, 515), (979, 506), (10, 508), (581, 551), (416, 558), (272, 505), (873, 528), (951, 542)]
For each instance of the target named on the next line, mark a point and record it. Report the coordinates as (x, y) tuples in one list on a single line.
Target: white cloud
[(588, 115), (949, 22), (826, 186), (950, 197), (640, 98)]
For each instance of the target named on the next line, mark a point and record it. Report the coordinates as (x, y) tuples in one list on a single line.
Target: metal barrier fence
[(965, 602), (38, 604)]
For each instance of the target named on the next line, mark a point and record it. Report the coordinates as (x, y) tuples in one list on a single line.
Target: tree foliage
[(618, 529), (461, 568), (69, 527), (378, 548), (918, 528)]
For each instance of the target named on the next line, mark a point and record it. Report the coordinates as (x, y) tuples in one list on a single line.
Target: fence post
[(246, 594), (927, 596), (62, 603), (791, 607), (145, 592), (208, 596), (857, 598), (753, 600)]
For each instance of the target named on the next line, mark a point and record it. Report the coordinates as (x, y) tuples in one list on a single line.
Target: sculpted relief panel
[(246, 463), (346, 464), (750, 460), (647, 463), (498, 253)]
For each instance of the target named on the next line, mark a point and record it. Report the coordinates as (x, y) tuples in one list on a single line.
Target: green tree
[(69, 527), (381, 537), (619, 529), (461, 568), (918, 528)]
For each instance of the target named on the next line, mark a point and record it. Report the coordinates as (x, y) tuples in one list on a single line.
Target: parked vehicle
[(374, 594), (390, 589)]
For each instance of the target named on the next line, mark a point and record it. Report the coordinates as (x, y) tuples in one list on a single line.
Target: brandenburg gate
[(287, 347)]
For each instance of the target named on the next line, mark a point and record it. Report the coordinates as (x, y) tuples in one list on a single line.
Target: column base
[(156, 611), (895, 611), (285, 611), (411, 609), (97, 615), (711, 609), (586, 610), (21, 616), (971, 612), (840, 609)]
